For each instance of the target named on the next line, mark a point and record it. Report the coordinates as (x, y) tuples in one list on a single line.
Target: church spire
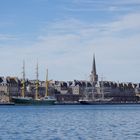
[(93, 65), (94, 76)]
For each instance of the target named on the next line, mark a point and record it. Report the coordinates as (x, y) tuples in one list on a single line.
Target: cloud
[(128, 2), (108, 6), (5, 37), (131, 21), (85, 30), (109, 40), (67, 46), (106, 2)]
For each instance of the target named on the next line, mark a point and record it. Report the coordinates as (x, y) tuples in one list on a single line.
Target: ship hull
[(107, 103), (26, 101), (94, 102)]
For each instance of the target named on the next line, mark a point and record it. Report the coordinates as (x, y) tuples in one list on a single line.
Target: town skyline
[(63, 36)]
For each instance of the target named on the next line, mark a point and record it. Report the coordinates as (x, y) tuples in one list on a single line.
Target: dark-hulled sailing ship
[(89, 97)]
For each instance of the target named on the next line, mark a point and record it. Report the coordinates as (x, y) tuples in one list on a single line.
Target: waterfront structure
[(3, 85), (61, 87), (8, 86), (4, 97), (13, 86), (76, 90), (69, 91)]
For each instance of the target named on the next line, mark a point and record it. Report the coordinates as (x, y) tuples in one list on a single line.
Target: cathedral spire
[(93, 65), (94, 76)]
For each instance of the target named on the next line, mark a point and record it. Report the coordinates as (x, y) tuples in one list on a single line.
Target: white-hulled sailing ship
[(47, 100)]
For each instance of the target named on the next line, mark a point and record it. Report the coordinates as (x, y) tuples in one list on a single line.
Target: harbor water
[(70, 122)]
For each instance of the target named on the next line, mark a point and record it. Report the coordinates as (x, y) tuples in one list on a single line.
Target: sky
[(63, 35)]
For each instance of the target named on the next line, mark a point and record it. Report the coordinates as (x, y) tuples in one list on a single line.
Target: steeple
[(93, 65), (94, 76)]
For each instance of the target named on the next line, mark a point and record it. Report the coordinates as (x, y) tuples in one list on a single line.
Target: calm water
[(75, 122)]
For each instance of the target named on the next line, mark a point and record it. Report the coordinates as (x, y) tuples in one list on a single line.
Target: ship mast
[(23, 80), (102, 88), (46, 83), (93, 97), (37, 83)]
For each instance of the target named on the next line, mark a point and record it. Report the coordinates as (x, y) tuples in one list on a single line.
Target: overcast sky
[(62, 35)]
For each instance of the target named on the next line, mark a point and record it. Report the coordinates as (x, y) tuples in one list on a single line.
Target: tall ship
[(91, 99), (23, 100), (96, 89)]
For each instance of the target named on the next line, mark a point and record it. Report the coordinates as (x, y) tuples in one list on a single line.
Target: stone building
[(9, 86), (3, 86), (13, 86), (4, 97)]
